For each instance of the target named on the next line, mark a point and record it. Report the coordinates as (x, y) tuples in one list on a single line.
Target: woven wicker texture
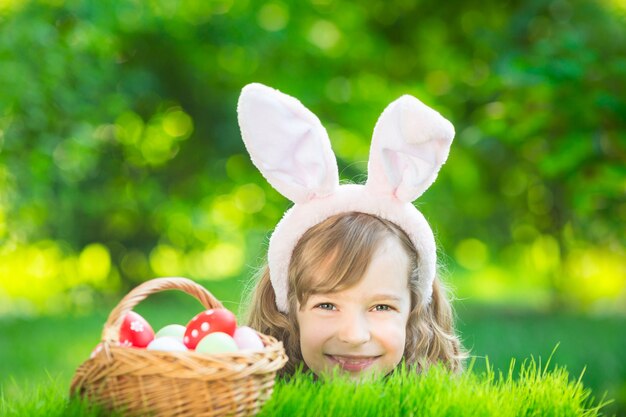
[(142, 382)]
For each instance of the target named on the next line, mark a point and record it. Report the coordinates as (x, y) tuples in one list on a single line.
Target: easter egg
[(217, 342), (96, 350), (209, 321), (247, 338), (167, 344), (135, 331), (171, 330)]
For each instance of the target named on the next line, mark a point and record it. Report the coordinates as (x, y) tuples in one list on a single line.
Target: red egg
[(135, 331), (210, 321)]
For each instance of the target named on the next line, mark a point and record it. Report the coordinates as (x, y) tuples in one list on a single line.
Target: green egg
[(217, 342), (175, 331)]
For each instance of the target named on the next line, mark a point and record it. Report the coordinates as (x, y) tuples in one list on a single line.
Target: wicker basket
[(140, 382)]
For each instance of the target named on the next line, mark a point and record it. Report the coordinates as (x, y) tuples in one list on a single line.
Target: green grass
[(39, 355), (593, 344), (49, 400), (534, 392)]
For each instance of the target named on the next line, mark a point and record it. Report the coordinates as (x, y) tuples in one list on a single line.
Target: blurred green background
[(121, 159)]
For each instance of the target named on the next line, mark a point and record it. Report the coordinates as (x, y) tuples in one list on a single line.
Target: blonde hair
[(343, 245)]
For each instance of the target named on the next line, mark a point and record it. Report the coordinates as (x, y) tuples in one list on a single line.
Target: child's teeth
[(350, 361)]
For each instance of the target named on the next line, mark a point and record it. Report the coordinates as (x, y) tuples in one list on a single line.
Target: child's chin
[(336, 372)]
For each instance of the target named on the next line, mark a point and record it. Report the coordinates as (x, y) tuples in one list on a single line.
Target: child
[(351, 278)]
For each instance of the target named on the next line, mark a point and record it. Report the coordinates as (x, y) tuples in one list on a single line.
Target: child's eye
[(383, 307), (325, 306)]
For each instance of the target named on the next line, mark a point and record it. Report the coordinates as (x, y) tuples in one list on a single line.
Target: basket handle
[(110, 333)]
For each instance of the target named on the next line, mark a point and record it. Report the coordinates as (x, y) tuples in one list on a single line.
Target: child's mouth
[(352, 363)]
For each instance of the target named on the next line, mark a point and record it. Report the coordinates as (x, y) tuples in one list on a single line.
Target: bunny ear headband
[(291, 148)]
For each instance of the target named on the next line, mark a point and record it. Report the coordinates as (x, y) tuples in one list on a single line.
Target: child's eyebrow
[(392, 297), (379, 296)]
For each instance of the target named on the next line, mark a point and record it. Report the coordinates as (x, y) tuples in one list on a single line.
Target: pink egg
[(100, 347), (247, 338), (96, 350)]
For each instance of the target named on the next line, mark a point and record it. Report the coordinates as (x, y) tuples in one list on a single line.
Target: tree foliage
[(120, 156)]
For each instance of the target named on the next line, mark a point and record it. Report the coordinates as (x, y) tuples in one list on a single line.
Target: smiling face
[(360, 330)]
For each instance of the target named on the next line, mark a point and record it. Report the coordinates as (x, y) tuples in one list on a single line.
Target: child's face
[(361, 330)]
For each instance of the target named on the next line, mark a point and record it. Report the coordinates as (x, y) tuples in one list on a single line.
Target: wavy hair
[(342, 247)]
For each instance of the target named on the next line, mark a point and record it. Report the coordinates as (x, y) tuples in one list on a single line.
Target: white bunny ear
[(287, 143), (411, 142)]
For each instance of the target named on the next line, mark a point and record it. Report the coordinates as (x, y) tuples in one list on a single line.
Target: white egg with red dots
[(217, 342), (247, 339), (167, 344), (207, 322)]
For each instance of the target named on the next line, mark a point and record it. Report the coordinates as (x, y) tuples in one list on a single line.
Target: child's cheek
[(392, 335), (314, 328), (313, 337)]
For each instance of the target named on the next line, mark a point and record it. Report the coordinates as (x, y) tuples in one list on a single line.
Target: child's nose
[(355, 330)]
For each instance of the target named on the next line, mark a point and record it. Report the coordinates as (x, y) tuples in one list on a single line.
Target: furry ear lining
[(287, 143), (411, 142)]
